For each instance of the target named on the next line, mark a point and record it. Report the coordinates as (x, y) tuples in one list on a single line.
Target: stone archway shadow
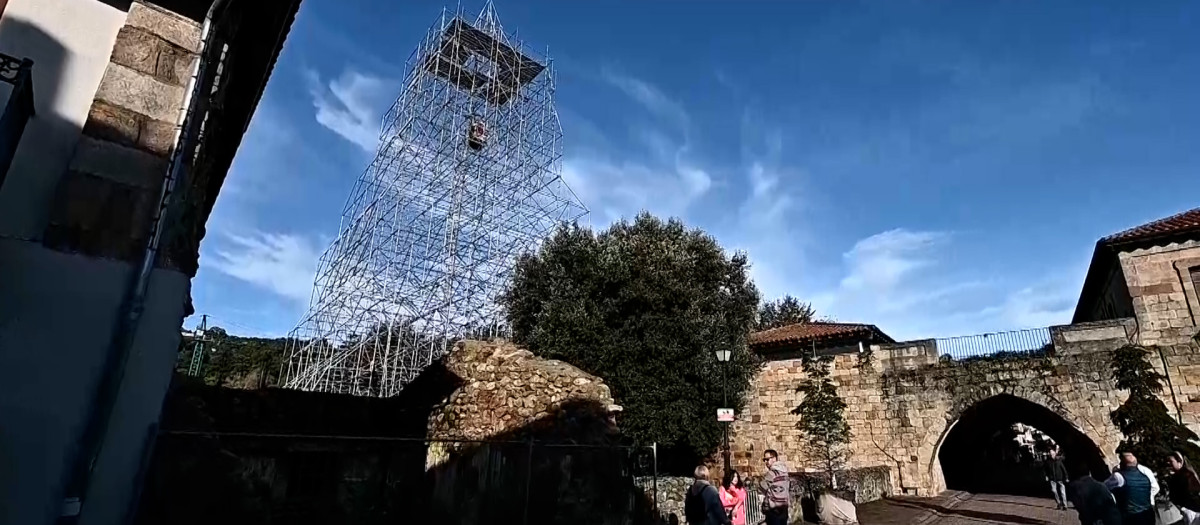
[(960, 459)]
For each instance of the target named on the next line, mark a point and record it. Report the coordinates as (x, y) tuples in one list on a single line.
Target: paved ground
[(960, 508)]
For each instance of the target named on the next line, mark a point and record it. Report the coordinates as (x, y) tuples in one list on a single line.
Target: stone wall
[(671, 491), (1164, 295), (489, 434), (505, 388), (901, 405), (107, 199)]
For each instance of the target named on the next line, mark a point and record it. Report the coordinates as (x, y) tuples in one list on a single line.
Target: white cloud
[(904, 281), (659, 177), (351, 105), (620, 190), (878, 264), (650, 97), (282, 263)]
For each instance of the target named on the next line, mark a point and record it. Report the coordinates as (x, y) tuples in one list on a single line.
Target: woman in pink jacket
[(733, 497)]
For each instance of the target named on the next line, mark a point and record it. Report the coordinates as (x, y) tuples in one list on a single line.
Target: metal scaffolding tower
[(467, 177)]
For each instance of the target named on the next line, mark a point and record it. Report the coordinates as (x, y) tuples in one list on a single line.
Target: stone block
[(172, 27), (174, 65), (137, 49), (141, 93), (1071, 335), (118, 163), (99, 217), (114, 124)]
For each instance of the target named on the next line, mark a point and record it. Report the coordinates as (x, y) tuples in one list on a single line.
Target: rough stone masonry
[(902, 404)]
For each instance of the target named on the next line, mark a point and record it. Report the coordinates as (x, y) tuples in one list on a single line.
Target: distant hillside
[(234, 361)]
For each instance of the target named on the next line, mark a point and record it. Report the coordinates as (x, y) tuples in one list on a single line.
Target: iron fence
[(754, 513), (1032, 341), (19, 73)]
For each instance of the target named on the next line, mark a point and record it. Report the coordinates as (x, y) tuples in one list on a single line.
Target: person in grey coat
[(702, 504)]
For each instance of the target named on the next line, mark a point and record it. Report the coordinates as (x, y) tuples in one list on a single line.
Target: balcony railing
[(19, 73), (1032, 341)]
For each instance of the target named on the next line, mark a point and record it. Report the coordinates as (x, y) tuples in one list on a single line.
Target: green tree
[(234, 360), (1150, 431), (784, 311), (822, 417), (644, 305)]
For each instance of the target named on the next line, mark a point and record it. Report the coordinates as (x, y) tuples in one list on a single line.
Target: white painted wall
[(70, 42), (57, 315), (58, 311)]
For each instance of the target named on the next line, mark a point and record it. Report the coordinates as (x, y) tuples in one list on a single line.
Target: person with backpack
[(776, 488), (702, 504)]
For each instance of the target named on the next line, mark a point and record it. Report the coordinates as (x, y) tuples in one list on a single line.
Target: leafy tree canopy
[(230, 360), (1150, 431), (644, 305), (784, 311)]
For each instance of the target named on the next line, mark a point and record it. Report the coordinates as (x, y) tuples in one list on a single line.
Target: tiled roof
[(1179, 223), (814, 331)]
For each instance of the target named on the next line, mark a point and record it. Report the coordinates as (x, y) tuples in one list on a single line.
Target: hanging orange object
[(477, 135)]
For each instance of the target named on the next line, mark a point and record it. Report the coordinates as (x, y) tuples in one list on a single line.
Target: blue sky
[(935, 168)]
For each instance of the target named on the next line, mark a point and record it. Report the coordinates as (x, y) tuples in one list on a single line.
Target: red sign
[(725, 415)]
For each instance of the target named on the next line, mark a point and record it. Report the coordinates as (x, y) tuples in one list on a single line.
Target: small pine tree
[(1150, 431), (822, 417)]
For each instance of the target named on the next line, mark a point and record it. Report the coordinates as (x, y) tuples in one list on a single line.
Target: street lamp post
[(723, 358)]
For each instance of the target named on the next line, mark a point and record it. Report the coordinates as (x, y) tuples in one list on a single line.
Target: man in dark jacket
[(1092, 499), (702, 505), (1056, 474)]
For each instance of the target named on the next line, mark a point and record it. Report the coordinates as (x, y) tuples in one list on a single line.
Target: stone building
[(1150, 273), (137, 111), (915, 410)]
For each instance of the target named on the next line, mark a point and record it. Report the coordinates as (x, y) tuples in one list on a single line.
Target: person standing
[(1183, 487), (733, 497), (1056, 474), (1135, 489), (702, 504), (776, 489), (1091, 499)]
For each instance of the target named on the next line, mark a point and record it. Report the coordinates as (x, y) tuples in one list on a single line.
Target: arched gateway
[(980, 452)]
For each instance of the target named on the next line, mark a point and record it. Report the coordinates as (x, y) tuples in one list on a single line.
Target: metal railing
[(1033, 341), (754, 513), (19, 73)]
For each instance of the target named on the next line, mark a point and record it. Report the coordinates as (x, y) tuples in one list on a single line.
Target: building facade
[(1150, 273), (138, 110)]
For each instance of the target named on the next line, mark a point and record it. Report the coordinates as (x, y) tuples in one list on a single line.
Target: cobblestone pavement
[(960, 508)]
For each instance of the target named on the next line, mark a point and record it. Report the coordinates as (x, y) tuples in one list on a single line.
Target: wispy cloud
[(284, 264), (351, 105), (657, 175), (904, 281), (615, 190), (649, 96), (880, 263)]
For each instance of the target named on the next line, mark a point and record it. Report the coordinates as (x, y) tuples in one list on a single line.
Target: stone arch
[(989, 409)]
